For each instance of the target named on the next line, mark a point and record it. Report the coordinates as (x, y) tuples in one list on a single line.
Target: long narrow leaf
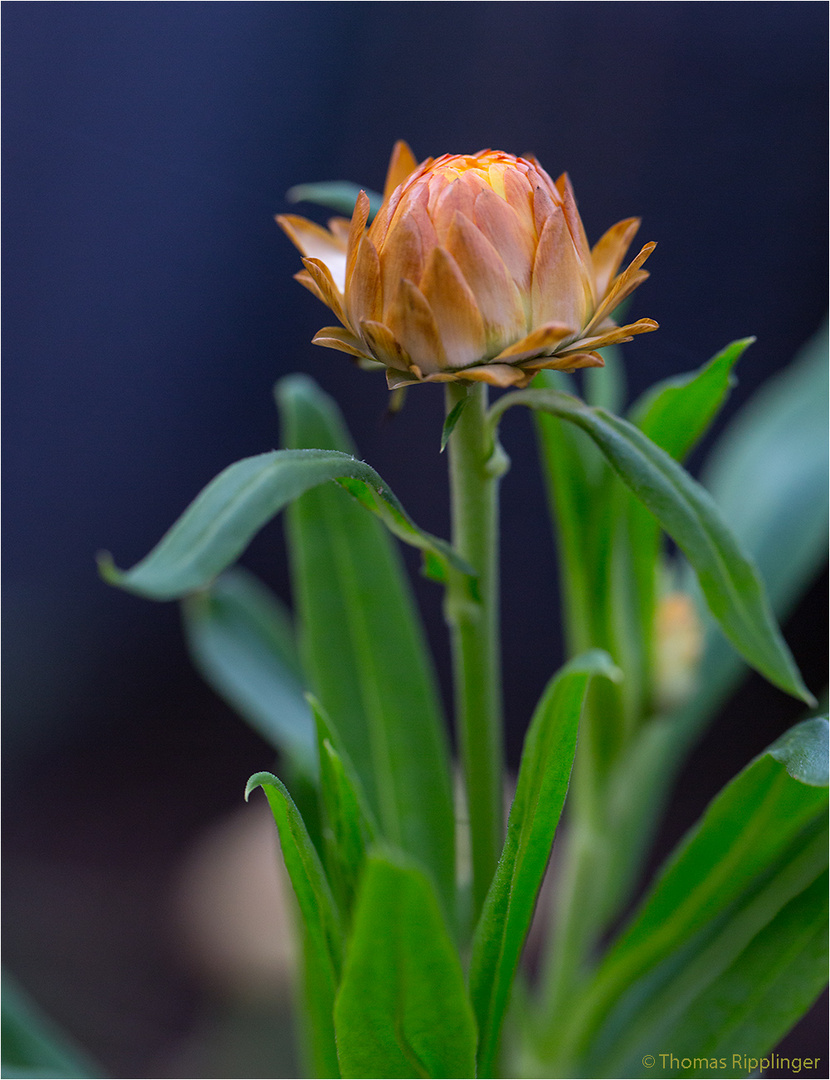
[(768, 473), (540, 795), (364, 650), (220, 523), (323, 934), (675, 415), (402, 1009), (730, 583)]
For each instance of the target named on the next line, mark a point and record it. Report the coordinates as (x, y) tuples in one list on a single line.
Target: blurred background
[(149, 309)]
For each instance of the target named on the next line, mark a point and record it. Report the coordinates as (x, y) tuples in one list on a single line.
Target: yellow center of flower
[(489, 167)]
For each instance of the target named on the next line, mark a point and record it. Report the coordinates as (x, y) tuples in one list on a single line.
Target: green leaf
[(348, 826), (323, 934), (220, 523), (402, 1009), (452, 419), (241, 640), (675, 415), (768, 472), (677, 412), (730, 583), (749, 1008), (32, 1045), (364, 650), (761, 843), (340, 195), (542, 785), (803, 751)]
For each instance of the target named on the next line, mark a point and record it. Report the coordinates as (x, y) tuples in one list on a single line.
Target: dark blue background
[(149, 308)]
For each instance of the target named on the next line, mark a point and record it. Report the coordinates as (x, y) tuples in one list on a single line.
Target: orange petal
[(609, 251), (401, 256), (398, 380), (541, 341), (565, 189), (622, 286), (557, 293), (380, 226), (494, 374), (411, 321), (335, 337), (325, 283), (614, 336), (446, 198), (566, 363), (316, 243), (456, 314), (308, 281), (543, 207), (383, 345), (508, 234), (365, 299), (401, 164), (519, 195), (357, 227), (497, 297)]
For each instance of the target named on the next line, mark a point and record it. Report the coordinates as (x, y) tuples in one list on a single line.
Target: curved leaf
[(730, 583), (323, 933), (221, 521), (768, 473), (676, 413), (541, 788), (402, 1008)]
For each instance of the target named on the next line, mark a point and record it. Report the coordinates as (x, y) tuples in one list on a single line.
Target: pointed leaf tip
[(452, 419), (729, 580), (594, 662), (803, 751), (258, 780)]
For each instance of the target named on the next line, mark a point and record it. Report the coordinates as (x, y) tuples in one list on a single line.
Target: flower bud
[(476, 268)]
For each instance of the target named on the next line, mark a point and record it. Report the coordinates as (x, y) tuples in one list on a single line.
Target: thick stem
[(473, 616)]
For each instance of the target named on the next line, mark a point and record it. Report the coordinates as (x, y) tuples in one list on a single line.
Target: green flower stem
[(476, 464)]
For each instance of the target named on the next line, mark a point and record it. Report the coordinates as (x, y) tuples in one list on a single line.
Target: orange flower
[(476, 268)]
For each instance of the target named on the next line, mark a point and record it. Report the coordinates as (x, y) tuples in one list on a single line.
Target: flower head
[(476, 268)]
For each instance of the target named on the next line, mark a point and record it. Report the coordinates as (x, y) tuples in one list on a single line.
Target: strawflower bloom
[(476, 268)]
